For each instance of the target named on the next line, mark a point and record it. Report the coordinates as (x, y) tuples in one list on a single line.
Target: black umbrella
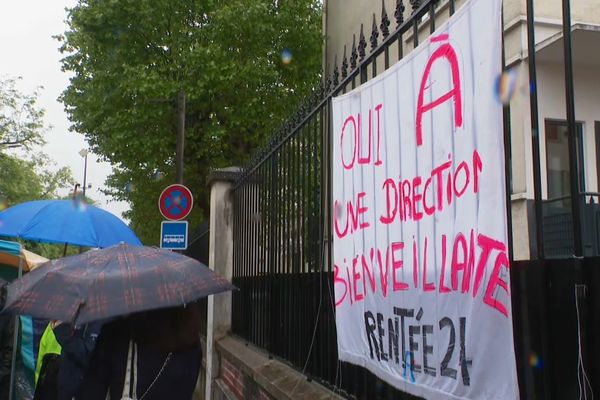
[(115, 281)]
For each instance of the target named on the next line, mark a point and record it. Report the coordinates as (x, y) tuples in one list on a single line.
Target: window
[(557, 161)]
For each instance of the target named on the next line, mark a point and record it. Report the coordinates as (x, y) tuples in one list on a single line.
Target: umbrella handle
[(81, 303)]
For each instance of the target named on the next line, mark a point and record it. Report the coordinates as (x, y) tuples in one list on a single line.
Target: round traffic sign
[(175, 202)]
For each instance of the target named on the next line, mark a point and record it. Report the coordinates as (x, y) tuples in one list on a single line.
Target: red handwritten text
[(351, 135), (470, 256)]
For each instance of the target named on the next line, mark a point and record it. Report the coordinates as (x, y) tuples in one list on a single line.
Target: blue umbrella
[(65, 221)]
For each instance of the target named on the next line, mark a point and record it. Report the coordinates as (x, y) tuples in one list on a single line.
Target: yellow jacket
[(48, 345)]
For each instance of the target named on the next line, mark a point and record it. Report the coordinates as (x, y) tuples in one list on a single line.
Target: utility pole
[(180, 136), (84, 153)]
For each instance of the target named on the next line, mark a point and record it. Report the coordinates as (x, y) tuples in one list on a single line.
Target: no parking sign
[(175, 202)]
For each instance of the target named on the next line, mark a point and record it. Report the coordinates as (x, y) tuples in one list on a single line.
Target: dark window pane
[(557, 161)]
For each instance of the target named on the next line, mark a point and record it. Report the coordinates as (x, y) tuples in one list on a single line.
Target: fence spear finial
[(336, 72), (399, 13), (385, 21), (362, 44), (415, 5), (344, 65), (374, 34), (354, 55)]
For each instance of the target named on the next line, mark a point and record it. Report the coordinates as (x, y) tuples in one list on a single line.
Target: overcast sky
[(28, 50)]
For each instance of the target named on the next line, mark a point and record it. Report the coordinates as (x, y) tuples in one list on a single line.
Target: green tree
[(130, 58), (30, 179), (21, 120), (26, 173)]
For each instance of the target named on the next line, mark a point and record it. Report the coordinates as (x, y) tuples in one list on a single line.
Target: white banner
[(422, 284)]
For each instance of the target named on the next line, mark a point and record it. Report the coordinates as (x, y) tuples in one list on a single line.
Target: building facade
[(344, 19)]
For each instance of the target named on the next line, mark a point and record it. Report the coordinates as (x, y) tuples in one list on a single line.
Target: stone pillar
[(220, 260)]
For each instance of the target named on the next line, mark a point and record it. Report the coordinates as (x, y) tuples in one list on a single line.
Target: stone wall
[(248, 373)]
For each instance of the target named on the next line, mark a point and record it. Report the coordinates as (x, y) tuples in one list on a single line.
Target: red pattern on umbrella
[(118, 280)]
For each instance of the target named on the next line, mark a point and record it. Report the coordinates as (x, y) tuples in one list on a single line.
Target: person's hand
[(54, 324)]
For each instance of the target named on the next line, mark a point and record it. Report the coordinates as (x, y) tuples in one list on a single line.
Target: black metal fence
[(282, 250), (558, 235)]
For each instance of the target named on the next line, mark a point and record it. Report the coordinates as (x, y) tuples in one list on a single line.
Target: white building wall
[(581, 10), (587, 110), (342, 19)]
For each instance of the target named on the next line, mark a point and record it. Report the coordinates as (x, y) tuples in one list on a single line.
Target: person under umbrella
[(125, 280), (65, 352), (78, 344), (48, 361), (7, 329), (152, 355)]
